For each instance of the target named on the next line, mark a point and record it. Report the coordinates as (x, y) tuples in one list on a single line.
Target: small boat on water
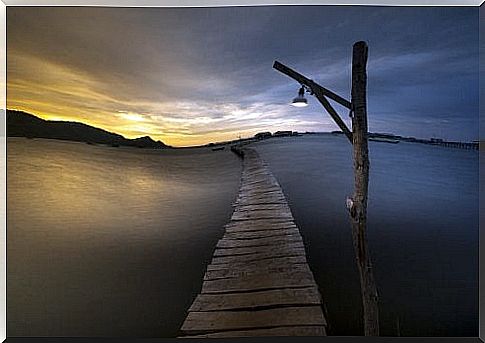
[(218, 148), (385, 140)]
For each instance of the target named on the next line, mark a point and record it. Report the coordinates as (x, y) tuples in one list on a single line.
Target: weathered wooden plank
[(259, 184), (261, 192), (267, 241), (262, 179), (259, 188), (262, 269), (253, 169), (262, 207), (259, 256), (260, 222), (205, 322), (261, 218), (253, 172), (257, 249), (274, 191), (260, 234), (259, 178), (269, 263), (263, 200), (285, 331), (256, 180), (256, 300), (255, 193), (261, 196), (276, 215), (260, 281), (262, 210), (250, 225), (258, 202), (262, 183)]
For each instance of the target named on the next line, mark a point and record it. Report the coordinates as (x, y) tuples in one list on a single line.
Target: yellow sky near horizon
[(173, 75), (193, 76), (133, 130), (55, 92)]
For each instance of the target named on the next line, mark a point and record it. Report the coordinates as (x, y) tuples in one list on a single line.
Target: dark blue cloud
[(423, 61)]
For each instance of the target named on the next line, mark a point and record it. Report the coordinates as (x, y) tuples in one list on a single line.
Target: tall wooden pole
[(358, 206)]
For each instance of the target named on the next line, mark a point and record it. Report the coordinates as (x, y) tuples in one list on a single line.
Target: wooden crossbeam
[(311, 84), (321, 93)]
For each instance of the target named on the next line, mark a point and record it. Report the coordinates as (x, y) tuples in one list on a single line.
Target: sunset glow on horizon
[(191, 76), (57, 93)]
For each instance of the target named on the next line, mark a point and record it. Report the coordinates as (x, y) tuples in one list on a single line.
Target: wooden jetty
[(459, 145), (259, 282)]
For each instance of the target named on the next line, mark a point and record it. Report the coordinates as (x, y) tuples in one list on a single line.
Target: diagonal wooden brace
[(320, 93)]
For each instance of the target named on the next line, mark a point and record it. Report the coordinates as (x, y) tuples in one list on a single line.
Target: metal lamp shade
[(299, 101)]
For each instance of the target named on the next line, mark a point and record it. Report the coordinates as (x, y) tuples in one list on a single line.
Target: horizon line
[(226, 141)]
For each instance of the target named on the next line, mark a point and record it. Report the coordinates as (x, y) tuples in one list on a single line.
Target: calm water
[(422, 228), (112, 241)]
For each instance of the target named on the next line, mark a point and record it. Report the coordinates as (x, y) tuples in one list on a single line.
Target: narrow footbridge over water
[(259, 282)]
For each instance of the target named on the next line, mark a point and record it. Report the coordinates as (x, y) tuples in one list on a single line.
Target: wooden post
[(358, 204), (358, 207)]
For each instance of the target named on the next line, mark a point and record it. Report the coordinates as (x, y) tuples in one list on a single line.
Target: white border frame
[(149, 3), (220, 3), (3, 171)]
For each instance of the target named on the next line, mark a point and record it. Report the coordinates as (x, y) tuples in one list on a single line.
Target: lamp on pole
[(300, 100), (358, 137)]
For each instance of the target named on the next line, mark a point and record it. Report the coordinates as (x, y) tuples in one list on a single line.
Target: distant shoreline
[(22, 124), (245, 141), (103, 144)]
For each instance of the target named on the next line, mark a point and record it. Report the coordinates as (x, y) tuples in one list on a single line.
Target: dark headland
[(22, 124)]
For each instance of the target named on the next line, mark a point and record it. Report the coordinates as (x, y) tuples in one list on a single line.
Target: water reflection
[(113, 242), (108, 242), (423, 230)]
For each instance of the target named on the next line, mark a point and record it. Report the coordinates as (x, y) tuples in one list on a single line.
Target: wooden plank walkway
[(259, 282)]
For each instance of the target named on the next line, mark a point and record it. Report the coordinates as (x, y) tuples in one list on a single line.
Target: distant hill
[(21, 124)]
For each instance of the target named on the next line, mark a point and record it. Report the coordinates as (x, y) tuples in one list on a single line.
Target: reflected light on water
[(110, 241)]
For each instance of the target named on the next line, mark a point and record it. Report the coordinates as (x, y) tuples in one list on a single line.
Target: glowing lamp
[(300, 100)]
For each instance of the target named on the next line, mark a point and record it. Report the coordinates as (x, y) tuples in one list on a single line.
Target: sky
[(190, 76)]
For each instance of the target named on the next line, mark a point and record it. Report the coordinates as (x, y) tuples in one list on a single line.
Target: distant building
[(383, 135), (263, 135), (283, 133), (436, 140)]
